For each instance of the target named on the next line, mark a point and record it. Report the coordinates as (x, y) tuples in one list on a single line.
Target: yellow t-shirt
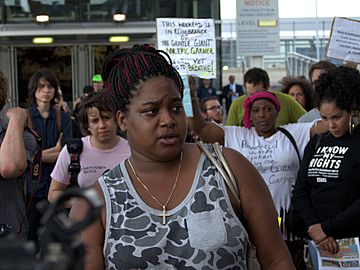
[(290, 110)]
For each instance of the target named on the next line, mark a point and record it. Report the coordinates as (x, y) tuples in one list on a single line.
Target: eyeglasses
[(213, 108)]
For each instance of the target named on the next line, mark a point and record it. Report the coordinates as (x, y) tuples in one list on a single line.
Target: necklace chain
[(163, 206)]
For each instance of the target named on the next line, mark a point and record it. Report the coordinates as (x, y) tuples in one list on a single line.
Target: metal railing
[(298, 64)]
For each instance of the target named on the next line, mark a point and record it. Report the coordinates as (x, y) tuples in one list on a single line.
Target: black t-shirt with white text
[(327, 189)]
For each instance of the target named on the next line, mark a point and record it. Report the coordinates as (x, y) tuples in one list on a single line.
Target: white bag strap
[(219, 154), (223, 168), (230, 181)]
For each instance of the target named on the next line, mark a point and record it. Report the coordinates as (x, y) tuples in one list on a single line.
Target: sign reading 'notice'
[(257, 27)]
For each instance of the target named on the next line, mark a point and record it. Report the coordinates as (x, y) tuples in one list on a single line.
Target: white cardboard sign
[(190, 43), (344, 40)]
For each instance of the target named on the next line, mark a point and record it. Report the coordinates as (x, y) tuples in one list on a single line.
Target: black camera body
[(60, 247)]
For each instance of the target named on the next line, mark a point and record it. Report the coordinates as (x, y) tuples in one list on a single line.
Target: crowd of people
[(293, 149)]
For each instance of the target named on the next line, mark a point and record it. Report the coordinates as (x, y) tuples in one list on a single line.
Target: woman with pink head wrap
[(251, 99), (274, 154)]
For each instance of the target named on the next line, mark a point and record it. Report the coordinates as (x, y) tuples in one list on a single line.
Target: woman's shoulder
[(297, 127), (227, 152), (86, 140), (123, 142), (238, 129), (240, 132)]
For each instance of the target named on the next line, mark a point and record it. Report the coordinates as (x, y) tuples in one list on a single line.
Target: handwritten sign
[(344, 40), (190, 44)]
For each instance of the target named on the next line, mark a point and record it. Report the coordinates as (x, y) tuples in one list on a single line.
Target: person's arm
[(60, 175), (50, 155), (92, 236), (56, 189), (316, 233), (338, 225), (301, 198), (259, 213), (319, 127), (207, 131), (239, 89), (13, 159), (76, 103), (329, 244), (302, 203)]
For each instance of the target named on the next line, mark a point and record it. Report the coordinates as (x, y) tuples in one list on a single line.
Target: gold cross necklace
[(164, 214)]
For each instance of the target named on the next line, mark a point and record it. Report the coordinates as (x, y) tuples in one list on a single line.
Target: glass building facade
[(80, 31)]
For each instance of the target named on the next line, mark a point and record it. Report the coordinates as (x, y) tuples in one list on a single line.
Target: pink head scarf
[(251, 99)]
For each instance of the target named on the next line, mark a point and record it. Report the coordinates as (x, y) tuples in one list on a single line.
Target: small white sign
[(257, 27), (190, 43), (344, 40)]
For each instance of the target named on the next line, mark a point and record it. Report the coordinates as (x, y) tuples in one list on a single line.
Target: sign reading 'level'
[(257, 27)]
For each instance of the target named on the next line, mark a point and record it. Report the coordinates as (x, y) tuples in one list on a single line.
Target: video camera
[(60, 247)]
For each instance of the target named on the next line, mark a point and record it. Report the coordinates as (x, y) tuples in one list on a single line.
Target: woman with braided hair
[(327, 190), (167, 207)]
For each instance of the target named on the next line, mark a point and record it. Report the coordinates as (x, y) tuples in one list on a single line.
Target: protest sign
[(344, 40), (190, 43)]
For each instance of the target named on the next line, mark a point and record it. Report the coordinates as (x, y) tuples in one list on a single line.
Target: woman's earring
[(351, 125)]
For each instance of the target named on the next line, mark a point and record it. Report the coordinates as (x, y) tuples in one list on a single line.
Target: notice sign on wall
[(190, 44), (257, 27), (344, 40)]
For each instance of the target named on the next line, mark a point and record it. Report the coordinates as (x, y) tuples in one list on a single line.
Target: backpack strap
[(2, 134), (74, 147), (292, 140), (58, 120), (29, 120), (224, 169), (36, 167), (35, 170)]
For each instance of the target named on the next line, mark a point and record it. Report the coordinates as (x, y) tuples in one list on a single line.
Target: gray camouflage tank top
[(202, 232)]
